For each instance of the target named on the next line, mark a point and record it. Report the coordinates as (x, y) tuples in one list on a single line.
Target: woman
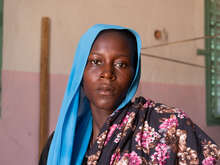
[(98, 123)]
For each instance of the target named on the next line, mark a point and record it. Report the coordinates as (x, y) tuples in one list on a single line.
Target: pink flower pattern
[(168, 123), (147, 136), (115, 157), (117, 139), (125, 120), (181, 114), (111, 130), (133, 158), (161, 154), (148, 103), (209, 161)]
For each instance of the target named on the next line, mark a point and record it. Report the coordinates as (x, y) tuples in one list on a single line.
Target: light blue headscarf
[(74, 126)]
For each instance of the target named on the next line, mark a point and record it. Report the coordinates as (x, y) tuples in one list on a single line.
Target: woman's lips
[(105, 90)]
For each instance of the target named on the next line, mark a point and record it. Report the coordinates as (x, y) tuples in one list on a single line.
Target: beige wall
[(70, 19)]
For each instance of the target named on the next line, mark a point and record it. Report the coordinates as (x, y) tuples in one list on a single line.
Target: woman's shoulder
[(175, 128), (162, 116), (158, 109)]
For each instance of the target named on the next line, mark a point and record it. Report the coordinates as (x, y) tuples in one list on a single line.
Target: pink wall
[(20, 115), (20, 111)]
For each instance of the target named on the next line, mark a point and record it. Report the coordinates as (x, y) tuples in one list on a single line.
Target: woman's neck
[(99, 118)]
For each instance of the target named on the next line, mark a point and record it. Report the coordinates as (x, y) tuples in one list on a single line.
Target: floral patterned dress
[(149, 133)]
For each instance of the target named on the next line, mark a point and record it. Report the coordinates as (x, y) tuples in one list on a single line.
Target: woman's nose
[(108, 73)]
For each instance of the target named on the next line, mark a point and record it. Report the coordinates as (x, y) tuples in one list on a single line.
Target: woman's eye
[(95, 62), (121, 65)]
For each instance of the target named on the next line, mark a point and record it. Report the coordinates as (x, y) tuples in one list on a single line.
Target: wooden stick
[(44, 83)]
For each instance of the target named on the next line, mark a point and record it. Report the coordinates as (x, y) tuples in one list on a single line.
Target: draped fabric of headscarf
[(74, 126)]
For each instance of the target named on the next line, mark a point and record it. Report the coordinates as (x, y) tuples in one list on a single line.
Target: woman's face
[(109, 71)]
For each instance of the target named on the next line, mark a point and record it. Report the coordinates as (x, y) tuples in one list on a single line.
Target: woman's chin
[(106, 104)]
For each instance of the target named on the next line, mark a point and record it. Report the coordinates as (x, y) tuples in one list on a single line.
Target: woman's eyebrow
[(96, 53)]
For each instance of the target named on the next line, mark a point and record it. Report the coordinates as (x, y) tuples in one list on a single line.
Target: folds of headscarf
[(74, 126)]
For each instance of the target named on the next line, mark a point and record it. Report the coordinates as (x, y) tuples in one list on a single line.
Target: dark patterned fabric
[(145, 132), (44, 154)]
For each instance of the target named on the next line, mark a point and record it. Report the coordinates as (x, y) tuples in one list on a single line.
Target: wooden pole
[(44, 83)]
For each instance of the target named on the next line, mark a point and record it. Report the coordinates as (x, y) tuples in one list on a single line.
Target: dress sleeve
[(44, 154), (195, 146)]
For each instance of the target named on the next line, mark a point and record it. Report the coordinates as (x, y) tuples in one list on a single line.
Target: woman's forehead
[(112, 41), (120, 37), (125, 34)]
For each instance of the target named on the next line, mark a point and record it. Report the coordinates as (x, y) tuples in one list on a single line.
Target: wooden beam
[(44, 83)]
